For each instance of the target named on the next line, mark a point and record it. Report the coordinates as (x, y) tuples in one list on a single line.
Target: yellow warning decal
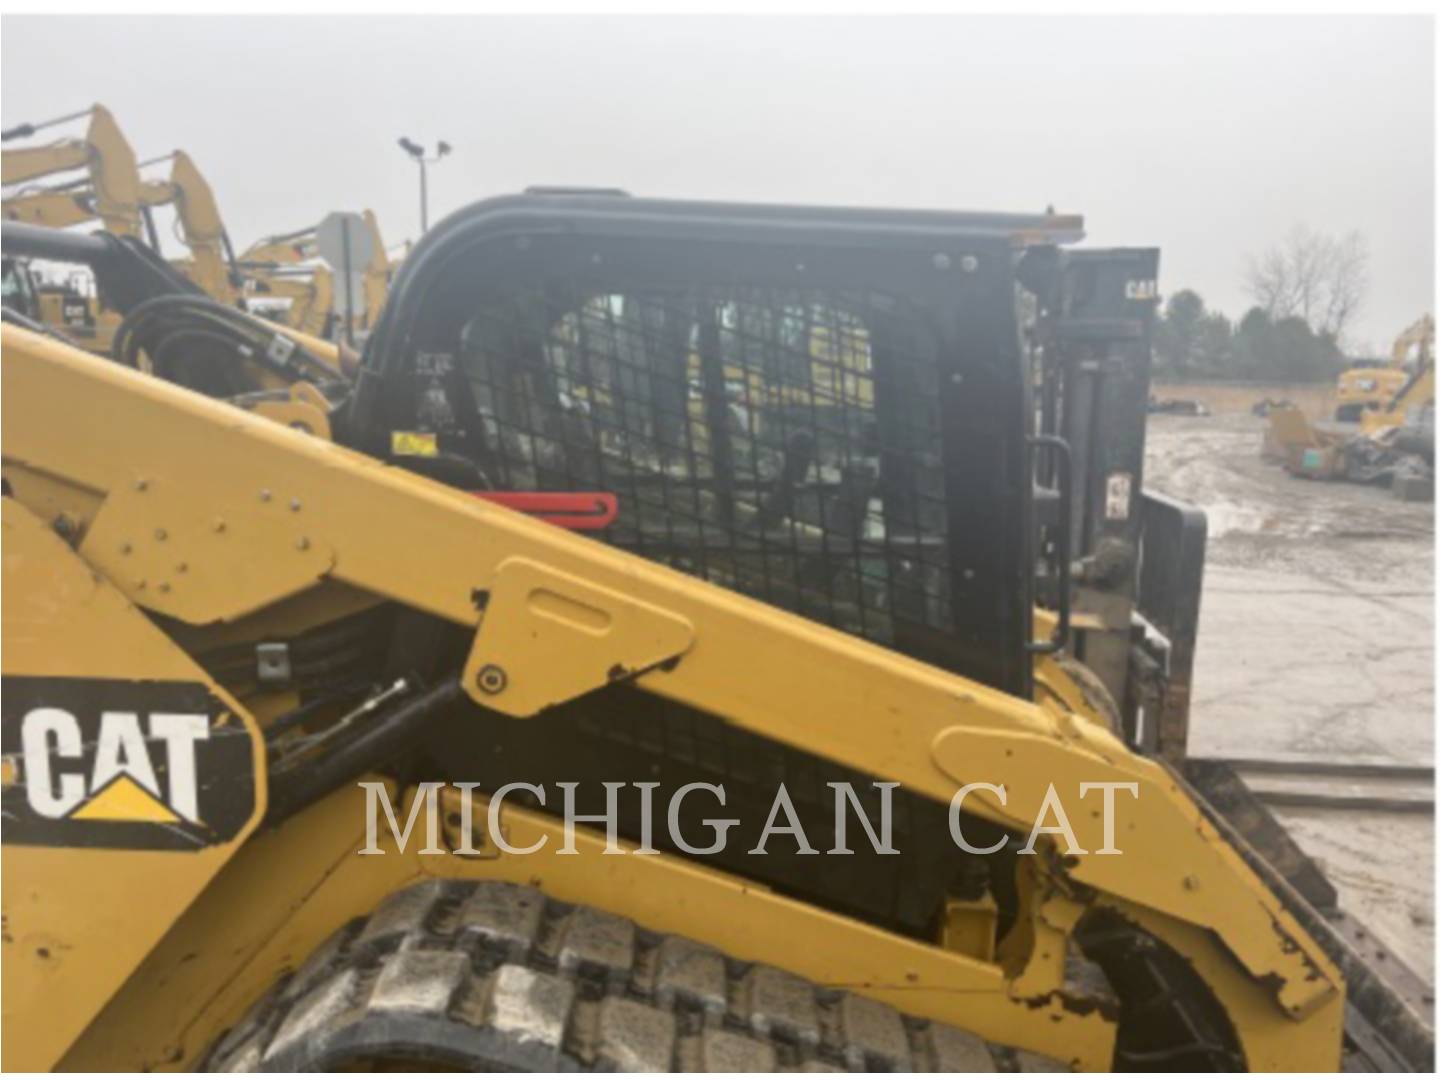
[(414, 444)]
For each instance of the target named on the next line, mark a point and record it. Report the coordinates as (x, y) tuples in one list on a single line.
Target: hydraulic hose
[(175, 331), (296, 784)]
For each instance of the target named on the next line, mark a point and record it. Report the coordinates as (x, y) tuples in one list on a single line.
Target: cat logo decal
[(113, 763)]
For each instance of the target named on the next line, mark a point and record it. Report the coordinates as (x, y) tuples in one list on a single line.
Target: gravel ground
[(1316, 644)]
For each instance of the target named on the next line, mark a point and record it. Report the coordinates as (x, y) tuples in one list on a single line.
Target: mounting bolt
[(219, 525), (264, 494), (164, 586), (303, 544), (294, 504), (140, 583), (969, 264), (161, 534), (181, 567), (125, 548), (141, 484), (492, 679), (1191, 882), (941, 261)]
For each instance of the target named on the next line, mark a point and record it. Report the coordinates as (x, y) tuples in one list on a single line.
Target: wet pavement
[(1316, 644)]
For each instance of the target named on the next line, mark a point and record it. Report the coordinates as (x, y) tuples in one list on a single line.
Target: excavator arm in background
[(114, 192), (1414, 350), (55, 208), (201, 227), (1421, 334), (310, 298), (163, 311), (297, 249), (377, 271), (283, 249), (103, 152)]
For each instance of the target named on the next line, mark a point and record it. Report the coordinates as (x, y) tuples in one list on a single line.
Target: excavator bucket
[(1301, 447)]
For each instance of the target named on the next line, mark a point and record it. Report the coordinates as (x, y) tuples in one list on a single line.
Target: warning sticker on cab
[(1117, 496), (414, 444)]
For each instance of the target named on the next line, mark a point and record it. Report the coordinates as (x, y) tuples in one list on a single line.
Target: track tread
[(496, 976)]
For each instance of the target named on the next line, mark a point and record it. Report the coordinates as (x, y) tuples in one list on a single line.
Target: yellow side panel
[(130, 779), (295, 885)]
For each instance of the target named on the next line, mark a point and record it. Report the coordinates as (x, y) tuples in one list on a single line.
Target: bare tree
[(1347, 272), (1312, 276)]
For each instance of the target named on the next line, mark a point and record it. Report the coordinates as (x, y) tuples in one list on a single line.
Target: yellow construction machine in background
[(1370, 387), (109, 191), (1395, 440), (198, 220), (296, 291), (275, 265)]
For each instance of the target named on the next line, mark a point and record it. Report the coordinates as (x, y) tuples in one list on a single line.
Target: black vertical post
[(150, 232), (1104, 331), (984, 402), (424, 201), (717, 414)]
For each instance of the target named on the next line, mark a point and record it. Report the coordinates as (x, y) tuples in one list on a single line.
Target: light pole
[(416, 151)]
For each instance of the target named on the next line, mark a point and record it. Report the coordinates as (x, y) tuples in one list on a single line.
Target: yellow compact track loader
[(642, 526)]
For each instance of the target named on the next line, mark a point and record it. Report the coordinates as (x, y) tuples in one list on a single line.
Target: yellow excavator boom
[(297, 248), (1414, 350), (201, 227), (1419, 334), (114, 192), (106, 155)]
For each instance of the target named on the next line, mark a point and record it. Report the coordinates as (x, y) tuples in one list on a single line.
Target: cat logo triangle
[(124, 800)]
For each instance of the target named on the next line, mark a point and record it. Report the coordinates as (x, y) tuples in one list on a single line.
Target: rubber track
[(494, 976)]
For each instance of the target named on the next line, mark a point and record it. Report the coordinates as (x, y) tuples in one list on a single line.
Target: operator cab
[(861, 416)]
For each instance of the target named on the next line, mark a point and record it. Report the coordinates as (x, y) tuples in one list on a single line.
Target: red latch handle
[(585, 511)]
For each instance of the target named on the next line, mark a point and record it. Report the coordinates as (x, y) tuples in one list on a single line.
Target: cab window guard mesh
[(782, 442)]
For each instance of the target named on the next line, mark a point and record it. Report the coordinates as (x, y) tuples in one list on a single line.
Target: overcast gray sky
[(1209, 137)]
